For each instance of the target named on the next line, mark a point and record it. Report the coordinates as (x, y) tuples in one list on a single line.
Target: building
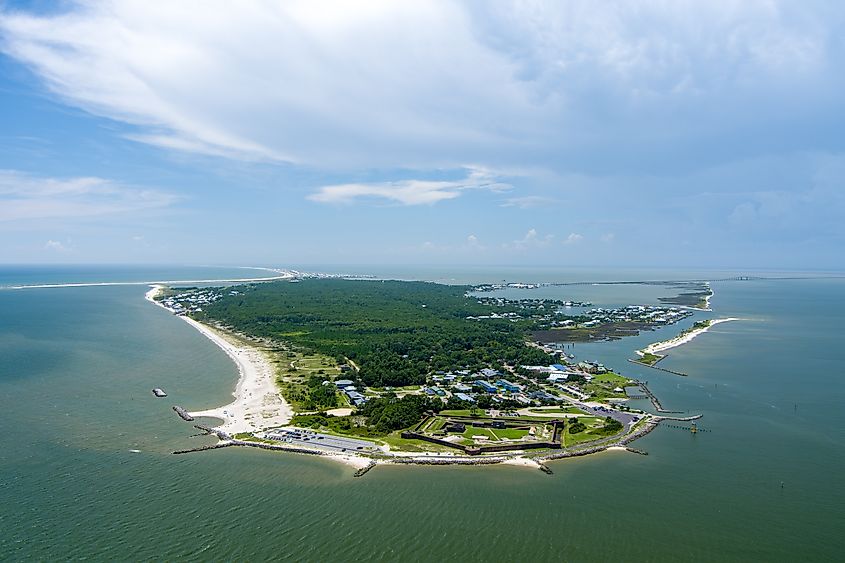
[(356, 398), (464, 397), (343, 383), (486, 387), (508, 386)]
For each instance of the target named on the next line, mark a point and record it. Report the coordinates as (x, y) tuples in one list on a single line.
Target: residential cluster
[(193, 300)]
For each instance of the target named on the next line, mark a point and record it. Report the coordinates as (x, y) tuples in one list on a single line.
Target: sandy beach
[(681, 338), (257, 402)]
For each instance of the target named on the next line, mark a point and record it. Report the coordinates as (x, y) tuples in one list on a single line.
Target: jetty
[(159, 392), (667, 370), (183, 414), (654, 400), (362, 470)]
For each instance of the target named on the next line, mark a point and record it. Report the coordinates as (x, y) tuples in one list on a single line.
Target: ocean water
[(764, 483)]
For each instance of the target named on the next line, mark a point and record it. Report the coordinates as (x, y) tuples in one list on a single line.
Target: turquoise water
[(77, 366)]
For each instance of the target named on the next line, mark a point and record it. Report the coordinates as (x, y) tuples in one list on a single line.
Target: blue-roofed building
[(559, 367), (487, 387), (508, 386)]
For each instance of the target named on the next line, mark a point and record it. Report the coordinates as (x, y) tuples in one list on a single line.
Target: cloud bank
[(24, 197), (436, 84)]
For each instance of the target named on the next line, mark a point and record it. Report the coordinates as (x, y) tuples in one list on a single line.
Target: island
[(384, 371)]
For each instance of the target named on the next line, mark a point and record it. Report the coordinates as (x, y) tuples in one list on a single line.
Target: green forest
[(396, 332)]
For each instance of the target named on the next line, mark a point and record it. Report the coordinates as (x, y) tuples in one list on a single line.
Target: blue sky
[(650, 133)]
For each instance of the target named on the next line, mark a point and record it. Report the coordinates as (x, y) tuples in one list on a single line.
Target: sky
[(652, 133)]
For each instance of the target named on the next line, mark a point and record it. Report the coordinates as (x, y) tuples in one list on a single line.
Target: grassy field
[(509, 433), (294, 368), (601, 386), (562, 410), (649, 359), (479, 413), (396, 442)]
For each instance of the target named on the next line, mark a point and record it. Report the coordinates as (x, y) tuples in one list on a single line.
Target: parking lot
[(317, 440)]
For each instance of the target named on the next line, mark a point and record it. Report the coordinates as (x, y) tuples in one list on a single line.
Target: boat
[(159, 392)]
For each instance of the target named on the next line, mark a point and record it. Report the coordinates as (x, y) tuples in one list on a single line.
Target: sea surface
[(763, 482)]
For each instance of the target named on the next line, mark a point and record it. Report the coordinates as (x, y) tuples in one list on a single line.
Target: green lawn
[(510, 433), (480, 413), (568, 410), (396, 442), (472, 432)]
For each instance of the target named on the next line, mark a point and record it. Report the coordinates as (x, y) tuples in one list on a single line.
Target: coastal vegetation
[(395, 332)]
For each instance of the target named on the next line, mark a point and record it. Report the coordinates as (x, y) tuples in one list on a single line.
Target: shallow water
[(77, 366)]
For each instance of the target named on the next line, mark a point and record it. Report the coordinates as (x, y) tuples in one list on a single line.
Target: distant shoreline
[(283, 274)]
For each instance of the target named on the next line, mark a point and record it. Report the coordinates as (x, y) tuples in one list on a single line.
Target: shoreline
[(282, 275), (257, 403), (683, 338)]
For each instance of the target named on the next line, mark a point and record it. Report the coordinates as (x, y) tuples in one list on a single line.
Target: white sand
[(522, 462), (681, 339), (258, 404)]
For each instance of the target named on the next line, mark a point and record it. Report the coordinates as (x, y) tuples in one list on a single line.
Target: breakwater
[(653, 398), (362, 470), (216, 446), (183, 414), (659, 368), (451, 460)]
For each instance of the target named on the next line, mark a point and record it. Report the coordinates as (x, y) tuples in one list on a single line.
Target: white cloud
[(26, 197), (409, 192), (532, 239), (573, 238), (429, 84), (528, 202), (55, 245)]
